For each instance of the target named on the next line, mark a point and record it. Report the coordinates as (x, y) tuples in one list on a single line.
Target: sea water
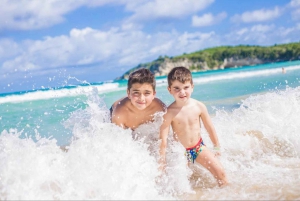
[(58, 143)]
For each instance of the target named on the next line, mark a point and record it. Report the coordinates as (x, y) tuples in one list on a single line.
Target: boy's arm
[(117, 112), (117, 118), (114, 106), (209, 126), (164, 131)]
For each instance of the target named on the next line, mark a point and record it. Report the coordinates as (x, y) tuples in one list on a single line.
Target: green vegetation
[(215, 57)]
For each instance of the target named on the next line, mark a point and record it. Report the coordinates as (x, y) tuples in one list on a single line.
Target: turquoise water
[(221, 89), (255, 111)]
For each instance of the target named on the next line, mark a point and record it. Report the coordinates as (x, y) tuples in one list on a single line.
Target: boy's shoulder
[(197, 101), (157, 103), (120, 104), (193, 104), (198, 104)]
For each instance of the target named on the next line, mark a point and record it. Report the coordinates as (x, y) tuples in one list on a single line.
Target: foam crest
[(260, 148), (103, 161), (259, 143), (204, 78), (176, 180), (94, 167), (161, 82), (240, 75), (59, 93)]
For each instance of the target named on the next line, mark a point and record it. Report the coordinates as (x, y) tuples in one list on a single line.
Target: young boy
[(184, 116), (140, 105)]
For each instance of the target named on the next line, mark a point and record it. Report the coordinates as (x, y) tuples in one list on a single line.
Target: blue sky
[(52, 43)]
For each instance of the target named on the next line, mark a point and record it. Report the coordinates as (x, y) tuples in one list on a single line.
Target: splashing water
[(260, 153), (260, 149), (103, 161)]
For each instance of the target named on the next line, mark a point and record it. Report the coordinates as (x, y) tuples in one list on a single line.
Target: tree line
[(214, 57)]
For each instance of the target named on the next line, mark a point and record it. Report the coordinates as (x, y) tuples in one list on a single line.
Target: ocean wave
[(59, 93), (241, 75)]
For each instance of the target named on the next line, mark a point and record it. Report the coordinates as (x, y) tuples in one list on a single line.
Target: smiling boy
[(140, 105), (184, 116)]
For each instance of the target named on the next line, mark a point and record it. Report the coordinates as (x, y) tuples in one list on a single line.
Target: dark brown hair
[(182, 74), (141, 76)]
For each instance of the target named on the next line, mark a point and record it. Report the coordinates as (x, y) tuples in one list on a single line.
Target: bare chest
[(133, 121), (186, 120)]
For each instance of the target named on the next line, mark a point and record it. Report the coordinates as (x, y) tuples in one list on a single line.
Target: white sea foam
[(244, 74), (260, 153), (232, 75), (260, 149), (59, 93), (103, 161)]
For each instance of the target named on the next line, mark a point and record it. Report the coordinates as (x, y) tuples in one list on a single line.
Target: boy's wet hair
[(141, 76), (182, 74)]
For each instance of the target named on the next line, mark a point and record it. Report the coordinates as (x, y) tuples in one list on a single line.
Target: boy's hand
[(162, 166), (162, 172), (217, 151)]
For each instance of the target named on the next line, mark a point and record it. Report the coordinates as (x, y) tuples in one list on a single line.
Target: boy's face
[(181, 91), (141, 95)]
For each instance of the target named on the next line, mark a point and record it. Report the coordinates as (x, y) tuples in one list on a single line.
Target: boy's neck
[(182, 104)]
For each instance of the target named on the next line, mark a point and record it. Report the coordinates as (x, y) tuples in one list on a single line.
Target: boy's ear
[(169, 89), (128, 92), (192, 87)]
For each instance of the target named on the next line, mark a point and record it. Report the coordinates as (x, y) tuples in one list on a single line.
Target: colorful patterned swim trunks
[(192, 152)]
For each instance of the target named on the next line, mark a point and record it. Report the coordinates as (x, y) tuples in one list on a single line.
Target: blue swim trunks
[(192, 152)]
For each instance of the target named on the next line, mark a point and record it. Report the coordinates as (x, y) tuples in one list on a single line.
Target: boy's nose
[(142, 97)]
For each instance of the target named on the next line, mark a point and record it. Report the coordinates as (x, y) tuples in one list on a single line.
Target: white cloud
[(37, 14), (294, 9), (262, 28), (257, 15), (122, 48), (284, 32), (258, 33), (259, 28), (263, 35), (115, 46), (295, 3), (31, 14), (242, 31), (207, 19), (157, 9), (8, 49), (296, 14)]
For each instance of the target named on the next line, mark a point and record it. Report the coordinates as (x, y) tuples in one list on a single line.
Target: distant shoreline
[(16, 93), (221, 58)]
